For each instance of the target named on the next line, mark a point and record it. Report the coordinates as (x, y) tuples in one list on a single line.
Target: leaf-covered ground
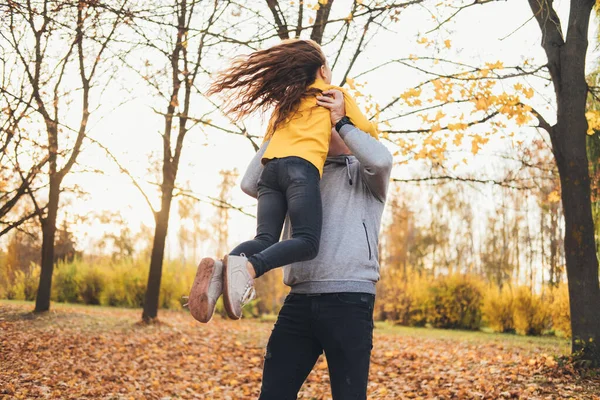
[(78, 352)]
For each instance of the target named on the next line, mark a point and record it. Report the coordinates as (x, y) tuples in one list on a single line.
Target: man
[(330, 305)]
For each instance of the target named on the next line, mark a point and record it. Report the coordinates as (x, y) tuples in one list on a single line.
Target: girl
[(287, 77)]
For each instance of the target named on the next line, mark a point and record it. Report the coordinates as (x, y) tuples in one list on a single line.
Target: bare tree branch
[(125, 171), (446, 178), (213, 201), (16, 224), (280, 23)]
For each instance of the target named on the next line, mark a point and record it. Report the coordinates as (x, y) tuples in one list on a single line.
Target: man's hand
[(334, 101)]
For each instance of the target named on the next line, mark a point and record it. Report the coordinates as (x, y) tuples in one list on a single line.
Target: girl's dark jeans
[(289, 185)]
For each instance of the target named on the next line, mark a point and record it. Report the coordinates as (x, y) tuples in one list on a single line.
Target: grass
[(553, 344), (64, 315)]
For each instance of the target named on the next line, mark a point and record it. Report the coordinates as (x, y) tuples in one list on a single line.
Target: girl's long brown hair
[(278, 76)]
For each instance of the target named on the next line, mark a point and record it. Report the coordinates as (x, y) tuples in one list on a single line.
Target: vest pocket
[(367, 237)]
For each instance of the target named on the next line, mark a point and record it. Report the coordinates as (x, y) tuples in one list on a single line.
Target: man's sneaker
[(206, 289), (238, 287)]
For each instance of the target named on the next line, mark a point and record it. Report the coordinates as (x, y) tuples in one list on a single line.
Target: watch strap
[(343, 121)]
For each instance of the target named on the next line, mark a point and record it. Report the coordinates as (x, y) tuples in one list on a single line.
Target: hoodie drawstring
[(348, 170)]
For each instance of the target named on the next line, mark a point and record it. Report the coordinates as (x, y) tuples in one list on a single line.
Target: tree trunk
[(42, 300), (151, 300), (580, 254), (566, 63), (569, 147)]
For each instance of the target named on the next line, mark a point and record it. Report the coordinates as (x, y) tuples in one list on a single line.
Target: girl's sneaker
[(238, 287), (206, 289)]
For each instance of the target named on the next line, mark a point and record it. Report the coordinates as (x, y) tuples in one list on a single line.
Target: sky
[(129, 127)]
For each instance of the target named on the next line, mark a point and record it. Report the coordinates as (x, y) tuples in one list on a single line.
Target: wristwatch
[(343, 121)]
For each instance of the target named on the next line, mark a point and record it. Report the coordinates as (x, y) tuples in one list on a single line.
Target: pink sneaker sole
[(198, 302)]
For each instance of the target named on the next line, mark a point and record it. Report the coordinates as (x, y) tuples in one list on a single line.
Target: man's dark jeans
[(341, 324), (289, 185)]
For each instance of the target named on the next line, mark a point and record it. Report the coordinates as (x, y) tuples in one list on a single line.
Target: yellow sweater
[(308, 133)]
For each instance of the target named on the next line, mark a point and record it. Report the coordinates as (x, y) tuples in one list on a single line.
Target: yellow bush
[(561, 313), (270, 292), (24, 285), (498, 309), (445, 302), (125, 283), (455, 302), (104, 281), (531, 316), (65, 282), (91, 285), (402, 300), (176, 282)]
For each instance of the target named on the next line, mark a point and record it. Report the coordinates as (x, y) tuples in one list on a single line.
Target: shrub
[(270, 292), (176, 282), (65, 283), (126, 284), (455, 303), (561, 313), (498, 309), (25, 284), (104, 281), (402, 300), (531, 316), (93, 282)]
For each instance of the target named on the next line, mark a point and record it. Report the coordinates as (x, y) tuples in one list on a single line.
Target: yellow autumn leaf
[(554, 197), (458, 139), (496, 65), (350, 83), (481, 104), (528, 92), (447, 43), (421, 154), (523, 118), (476, 143), (411, 93)]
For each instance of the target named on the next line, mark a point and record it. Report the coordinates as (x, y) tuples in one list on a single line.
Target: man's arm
[(375, 159), (249, 183)]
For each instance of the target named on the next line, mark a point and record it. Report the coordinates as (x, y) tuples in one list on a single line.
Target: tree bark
[(151, 300), (279, 18), (42, 300), (321, 21), (566, 62)]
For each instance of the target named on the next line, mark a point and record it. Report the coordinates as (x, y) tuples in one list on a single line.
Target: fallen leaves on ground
[(101, 353)]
